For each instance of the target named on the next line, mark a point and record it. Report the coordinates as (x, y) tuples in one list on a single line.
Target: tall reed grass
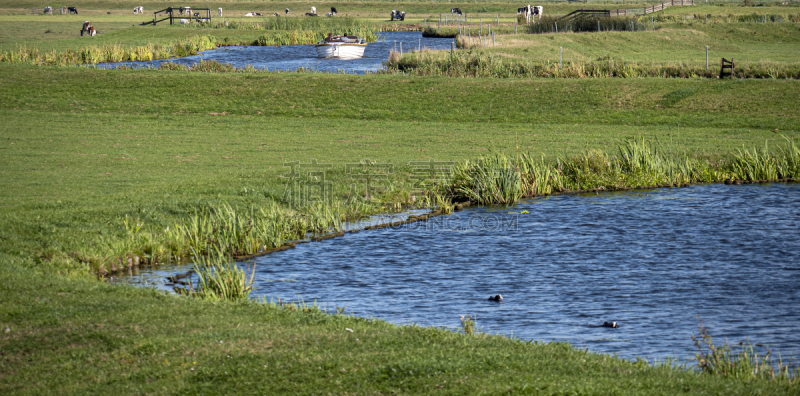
[(220, 278), (499, 179), (551, 24), (476, 64), (743, 363), (311, 30), (109, 53)]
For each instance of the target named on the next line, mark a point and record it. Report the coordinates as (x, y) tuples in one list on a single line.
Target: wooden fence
[(655, 7)]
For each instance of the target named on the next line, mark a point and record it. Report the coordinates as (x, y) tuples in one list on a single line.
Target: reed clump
[(220, 278), (743, 363), (430, 31)]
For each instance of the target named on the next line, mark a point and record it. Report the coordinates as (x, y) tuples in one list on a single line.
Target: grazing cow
[(333, 11), (456, 11), (276, 14), (48, 10), (538, 10), (138, 10), (398, 15), (88, 29), (287, 11), (63, 10), (219, 11), (530, 11), (526, 12), (259, 14), (249, 14), (72, 10)]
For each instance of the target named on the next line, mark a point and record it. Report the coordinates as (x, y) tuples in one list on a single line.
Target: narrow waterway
[(292, 57)]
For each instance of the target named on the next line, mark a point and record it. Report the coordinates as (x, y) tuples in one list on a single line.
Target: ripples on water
[(291, 57), (650, 260)]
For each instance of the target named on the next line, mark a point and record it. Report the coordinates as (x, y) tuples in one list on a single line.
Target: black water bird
[(612, 325), (496, 298)]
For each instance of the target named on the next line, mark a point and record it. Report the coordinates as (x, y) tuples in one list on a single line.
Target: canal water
[(654, 261), (292, 57)]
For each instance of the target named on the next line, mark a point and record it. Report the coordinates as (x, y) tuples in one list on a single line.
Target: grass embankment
[(86, 337), (80, 149), (159, 146)]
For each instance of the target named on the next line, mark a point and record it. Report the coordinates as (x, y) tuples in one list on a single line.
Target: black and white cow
[(219, 11), (72, 10), (138, 10), (398, 15), (287, 11), (530, 11), (456, 11)]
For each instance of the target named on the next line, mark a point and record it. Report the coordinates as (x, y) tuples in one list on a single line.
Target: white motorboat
[(342, 47)]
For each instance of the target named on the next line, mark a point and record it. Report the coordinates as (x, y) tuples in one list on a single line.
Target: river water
[(652, 260), (291, 57)]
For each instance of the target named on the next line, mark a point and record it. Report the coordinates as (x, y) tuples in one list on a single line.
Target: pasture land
[(160, 144), (81, 148)]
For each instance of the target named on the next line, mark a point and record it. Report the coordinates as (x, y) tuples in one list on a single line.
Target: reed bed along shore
[(499, 179), (220, 230), (109, 53), (223, 230), (475, 64)]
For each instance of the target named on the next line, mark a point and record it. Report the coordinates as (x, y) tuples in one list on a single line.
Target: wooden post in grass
[(559, 57), (706, 58), (726, 64)]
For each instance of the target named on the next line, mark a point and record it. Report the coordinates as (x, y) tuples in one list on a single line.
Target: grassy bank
[(99, 165), (159, 147), (670, 51), (74, 336)]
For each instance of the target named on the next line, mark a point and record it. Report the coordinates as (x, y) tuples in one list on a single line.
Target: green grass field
[(81, 148)]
